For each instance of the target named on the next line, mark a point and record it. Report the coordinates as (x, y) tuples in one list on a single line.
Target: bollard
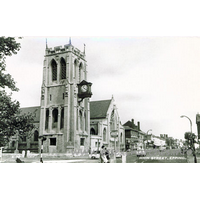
[(123, 157)]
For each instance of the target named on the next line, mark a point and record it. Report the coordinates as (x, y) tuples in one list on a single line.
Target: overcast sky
[(154, 80)]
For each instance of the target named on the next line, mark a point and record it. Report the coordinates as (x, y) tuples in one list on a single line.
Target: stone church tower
[(64, 117)]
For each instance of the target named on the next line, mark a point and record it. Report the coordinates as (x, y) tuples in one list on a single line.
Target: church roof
[(34, 110), (99, 109)]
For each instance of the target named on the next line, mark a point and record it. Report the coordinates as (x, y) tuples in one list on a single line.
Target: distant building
[(134, 136)]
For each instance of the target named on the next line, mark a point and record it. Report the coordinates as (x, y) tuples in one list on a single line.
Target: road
[(153, 156)]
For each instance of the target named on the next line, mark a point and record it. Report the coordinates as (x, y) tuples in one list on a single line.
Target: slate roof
[(34, 110), (99, 109)]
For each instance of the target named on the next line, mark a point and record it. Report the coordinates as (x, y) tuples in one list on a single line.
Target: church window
[(63, 96), (75, 66), (93, 132), (47, 119), (50, 97), (80, 71), (36, 134), (113, 121), (104, 134), (81, 120), (23, 138), (82, 141), (54, 70), (63, 68), (121, 138), (62, 119), (55, 118), (13, 143), (52, 141)]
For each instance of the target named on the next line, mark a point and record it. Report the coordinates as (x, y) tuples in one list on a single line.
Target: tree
[(190, 141), (11, 120)]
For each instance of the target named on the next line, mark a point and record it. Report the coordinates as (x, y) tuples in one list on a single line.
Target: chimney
[(133, 125), (138, 125)]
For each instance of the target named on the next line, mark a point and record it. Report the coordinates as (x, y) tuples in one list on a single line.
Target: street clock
[(84, 90)]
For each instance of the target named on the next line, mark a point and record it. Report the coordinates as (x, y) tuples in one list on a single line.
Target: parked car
[(94, 155), (118, 155), (162, 148), (141, 152)]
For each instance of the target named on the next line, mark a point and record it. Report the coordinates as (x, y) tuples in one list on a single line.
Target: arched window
[(36, 134), (113, 121), (75, 66), (104, 134), (55, 118), (47, 119), (54, 70), (62, 119), (121, 138), (81, 120), (63, 68), (92, 132), (80, 72)]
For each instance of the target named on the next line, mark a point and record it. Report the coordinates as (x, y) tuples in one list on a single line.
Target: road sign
[(114, 134)]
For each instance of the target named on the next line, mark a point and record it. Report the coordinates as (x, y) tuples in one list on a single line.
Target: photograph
[(100, 99)]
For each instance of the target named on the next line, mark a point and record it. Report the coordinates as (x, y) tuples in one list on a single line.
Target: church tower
[(65, 117)]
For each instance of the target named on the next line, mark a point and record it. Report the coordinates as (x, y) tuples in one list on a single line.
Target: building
[(66, 120), (24, 143), (64, 117), (135, 138), (104, 120)]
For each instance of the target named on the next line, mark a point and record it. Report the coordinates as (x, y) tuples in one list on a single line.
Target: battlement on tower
[(66, 48)]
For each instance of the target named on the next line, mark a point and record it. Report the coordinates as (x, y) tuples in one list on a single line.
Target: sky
[(154, 80)]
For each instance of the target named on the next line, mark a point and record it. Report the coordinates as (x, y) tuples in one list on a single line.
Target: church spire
[(70, 42), (46, 44), (84, 49)]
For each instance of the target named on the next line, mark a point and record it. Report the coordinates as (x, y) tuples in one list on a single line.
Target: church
[(66, 118)]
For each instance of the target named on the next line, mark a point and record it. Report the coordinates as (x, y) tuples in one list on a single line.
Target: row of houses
[(136, 138)]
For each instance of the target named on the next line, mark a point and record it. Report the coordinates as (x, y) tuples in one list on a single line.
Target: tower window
[(80, 71), (82, 141), (54, 70), (63, 96), (36, 134), (55, 118), (50, 97), (47, 119), (52, 141), (63, 68), (62, 119)]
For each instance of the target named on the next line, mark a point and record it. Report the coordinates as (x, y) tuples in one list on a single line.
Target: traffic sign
[(114, 134)]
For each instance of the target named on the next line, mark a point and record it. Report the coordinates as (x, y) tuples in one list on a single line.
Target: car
[(162, 148), (94, 155), (141, 152), (118, 155)]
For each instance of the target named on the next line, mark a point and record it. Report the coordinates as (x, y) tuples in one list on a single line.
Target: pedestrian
[(107, 153), (103, 158)]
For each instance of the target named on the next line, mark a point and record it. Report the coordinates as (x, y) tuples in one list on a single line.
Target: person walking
[(103, 158), (107, 154)]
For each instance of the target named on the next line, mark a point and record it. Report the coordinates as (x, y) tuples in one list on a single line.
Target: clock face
[(84, 88)]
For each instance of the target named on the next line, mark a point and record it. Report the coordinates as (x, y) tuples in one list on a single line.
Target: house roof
[(99, 109), (34, 110)]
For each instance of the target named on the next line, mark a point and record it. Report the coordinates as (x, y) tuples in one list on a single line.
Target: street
[(152, 156)]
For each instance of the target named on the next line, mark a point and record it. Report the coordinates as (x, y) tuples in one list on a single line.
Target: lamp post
[(193, 147), (147, 136), (189, 120)]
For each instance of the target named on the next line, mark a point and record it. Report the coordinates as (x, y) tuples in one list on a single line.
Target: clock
[(84, 88)]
